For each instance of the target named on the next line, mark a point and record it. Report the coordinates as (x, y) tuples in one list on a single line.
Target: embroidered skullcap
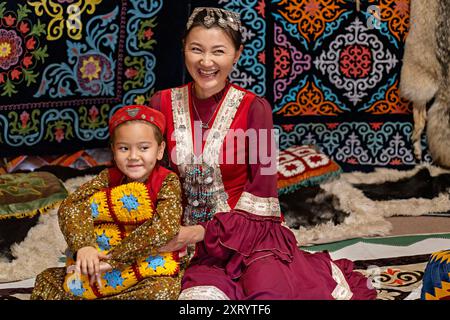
[(137, 112)]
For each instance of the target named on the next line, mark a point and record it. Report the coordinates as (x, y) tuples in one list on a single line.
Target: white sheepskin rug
[(42, 248), (367, 217)]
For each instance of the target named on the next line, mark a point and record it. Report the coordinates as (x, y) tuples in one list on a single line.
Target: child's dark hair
[(157, 132), (228, 21)]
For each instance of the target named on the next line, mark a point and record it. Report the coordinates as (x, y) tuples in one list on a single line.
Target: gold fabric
[(77, 226)]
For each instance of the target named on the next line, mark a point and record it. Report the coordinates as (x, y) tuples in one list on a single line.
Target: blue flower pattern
[(76, 288), (155, 261), (130, 202), (94, 209), (103, 241), (113, 278)]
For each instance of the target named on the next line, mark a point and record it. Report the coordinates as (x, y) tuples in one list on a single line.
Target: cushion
[(26, 194), (23, 196), (303, 166), (436, 278)]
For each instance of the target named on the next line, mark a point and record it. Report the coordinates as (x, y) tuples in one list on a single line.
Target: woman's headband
[(225, 18)]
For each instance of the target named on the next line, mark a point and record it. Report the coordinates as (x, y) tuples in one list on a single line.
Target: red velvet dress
[(231, 190)]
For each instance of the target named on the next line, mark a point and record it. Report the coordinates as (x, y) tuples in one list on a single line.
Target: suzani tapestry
[(330, 69), (66, 64)]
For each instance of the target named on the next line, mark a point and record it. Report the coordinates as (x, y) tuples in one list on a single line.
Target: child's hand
[(104, 267), (88, 260)]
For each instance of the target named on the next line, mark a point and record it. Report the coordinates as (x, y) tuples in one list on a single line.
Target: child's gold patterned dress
[(123, 222)]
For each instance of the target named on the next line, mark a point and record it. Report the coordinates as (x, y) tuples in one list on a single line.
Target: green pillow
[(26, 194)]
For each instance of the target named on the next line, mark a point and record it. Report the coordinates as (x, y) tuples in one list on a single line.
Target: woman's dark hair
[(215, 17)]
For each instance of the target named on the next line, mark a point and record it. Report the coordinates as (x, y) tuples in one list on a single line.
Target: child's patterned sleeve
[(74, 214)]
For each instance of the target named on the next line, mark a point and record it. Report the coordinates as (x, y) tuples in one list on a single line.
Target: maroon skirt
[(252, 257)]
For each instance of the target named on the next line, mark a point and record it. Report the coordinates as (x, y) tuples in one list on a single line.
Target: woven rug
[(394, 278), (395, 265)]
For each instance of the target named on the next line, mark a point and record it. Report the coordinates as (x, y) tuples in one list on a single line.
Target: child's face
[(136, 150)]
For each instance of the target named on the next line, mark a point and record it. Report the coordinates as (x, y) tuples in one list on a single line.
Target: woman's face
[(209, 56)]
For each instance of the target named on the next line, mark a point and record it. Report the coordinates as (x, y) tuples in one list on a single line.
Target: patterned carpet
[(394, 278)]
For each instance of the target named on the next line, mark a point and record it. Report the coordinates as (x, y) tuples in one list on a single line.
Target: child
[(115, 223)]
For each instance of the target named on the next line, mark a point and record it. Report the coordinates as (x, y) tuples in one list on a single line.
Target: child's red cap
[(137, 112)]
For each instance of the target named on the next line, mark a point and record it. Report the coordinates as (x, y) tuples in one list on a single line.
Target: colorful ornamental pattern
[(116, 213), (303, 166), (345, 96), (66, 65), (250, 72), (21, 49)]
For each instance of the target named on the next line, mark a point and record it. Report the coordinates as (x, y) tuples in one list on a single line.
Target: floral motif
[(310, 101), (57, 10), (10, 48), (19, 49), (311, 16), (90, 68), (396, 14), (145, 34), (70, 100)]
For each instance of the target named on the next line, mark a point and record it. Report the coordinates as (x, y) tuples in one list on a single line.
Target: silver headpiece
[(224, 18)]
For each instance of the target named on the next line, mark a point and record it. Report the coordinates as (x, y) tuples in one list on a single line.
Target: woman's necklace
[(205, 125)]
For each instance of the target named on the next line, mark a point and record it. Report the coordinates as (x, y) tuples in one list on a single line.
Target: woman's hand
[(186, 235), (88, 260)]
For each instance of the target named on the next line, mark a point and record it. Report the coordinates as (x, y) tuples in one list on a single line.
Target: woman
[(220, 140)]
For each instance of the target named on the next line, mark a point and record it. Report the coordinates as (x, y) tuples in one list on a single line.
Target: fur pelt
[(367, 199), (310, 206), (424, 77), (420, 185)]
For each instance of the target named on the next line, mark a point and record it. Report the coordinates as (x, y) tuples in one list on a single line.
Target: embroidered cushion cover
[(303, 166), (116, 213), (23, 197), (26, 194)]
